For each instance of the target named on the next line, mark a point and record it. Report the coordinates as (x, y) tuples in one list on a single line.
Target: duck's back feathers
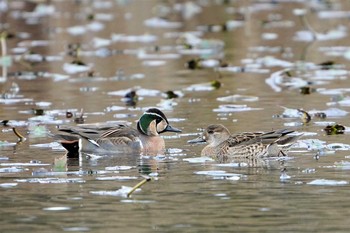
[(237, 139), (106, 137)]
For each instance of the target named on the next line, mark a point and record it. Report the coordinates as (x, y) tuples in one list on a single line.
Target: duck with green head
[(120, 138)]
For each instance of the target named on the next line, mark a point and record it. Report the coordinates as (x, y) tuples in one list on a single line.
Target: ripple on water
[(122, 192), (77, 229), (119, 168), (199, 160), (220, 174), (325, 182), (57, 208), (117, 178), (8, 185), (51, 180)]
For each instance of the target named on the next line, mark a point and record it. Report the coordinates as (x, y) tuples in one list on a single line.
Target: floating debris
[(75, 68), (219, 174), (167, 104), (77, 229), (236, 98), (57, 208), (51, 180), (210, 86), (101, 42), (309, 170), (338, 146), (235, 108), (82, 29), (311, 144), (199, 160), (139, 92), (161, 23), (333, 34), (299, 113), (6, 144), (342, 164), (8, 185), (154, 63), (14, 169), (105, 178), (307, 90), (173, 94), (115, 108), (305, 116), (321, 115), (119, 168), (284, 176), (334, 129), (241, 164), (122, 192), (145, 38), (325, 182), (30, 164), (283, 79), (53, 145)]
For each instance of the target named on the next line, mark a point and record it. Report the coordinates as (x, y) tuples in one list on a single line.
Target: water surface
[(123, 48)]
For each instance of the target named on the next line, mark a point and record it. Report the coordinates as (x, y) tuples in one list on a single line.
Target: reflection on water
[(250, 65)]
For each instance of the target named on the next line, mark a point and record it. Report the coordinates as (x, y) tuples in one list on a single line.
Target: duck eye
[(210, 132)]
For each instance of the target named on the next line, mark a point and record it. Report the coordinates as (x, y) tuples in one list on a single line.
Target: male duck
[(225, 147), (119, 138)]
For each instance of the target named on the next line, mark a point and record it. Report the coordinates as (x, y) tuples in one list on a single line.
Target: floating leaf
[(216, 84), (306, 90), (171, 95), (334, 129)]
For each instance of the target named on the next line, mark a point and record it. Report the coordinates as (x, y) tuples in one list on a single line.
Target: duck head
[(213, 134), (154, 122)]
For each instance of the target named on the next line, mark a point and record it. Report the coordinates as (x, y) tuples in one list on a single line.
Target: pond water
[(267, 58)]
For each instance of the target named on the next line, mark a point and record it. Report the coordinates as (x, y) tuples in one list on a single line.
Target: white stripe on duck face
[(145, 123), (155, 114), (160, 125)]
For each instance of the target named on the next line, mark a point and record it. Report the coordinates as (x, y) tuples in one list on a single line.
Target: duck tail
[(288, 141)]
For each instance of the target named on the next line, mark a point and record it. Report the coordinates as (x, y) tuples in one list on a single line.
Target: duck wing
[(278, 136), (116, 135), (237, 139)]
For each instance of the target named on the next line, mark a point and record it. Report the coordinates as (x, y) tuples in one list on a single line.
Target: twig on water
[(20, 136), (3, 36), (147, 178)]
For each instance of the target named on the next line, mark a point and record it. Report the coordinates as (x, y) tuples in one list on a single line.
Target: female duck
[(119, 138), (225, 147)]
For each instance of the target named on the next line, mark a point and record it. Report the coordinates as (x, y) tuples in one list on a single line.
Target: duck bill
[(196, 140), (169, 128)]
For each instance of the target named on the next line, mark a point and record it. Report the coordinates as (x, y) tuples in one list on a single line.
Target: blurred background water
[(246, 64)]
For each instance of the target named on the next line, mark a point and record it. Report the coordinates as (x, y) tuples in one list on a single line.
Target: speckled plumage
[(225, 147)]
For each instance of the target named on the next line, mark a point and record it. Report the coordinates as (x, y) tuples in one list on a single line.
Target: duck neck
[(152, 144)]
